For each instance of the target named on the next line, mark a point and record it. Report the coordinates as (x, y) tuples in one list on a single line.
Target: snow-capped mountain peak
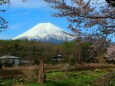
[(46, 32)]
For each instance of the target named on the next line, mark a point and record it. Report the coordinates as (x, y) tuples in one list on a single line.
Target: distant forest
[(32, 51)]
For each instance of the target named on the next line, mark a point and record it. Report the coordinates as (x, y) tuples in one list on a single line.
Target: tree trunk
[(0, 65), (41, 77)]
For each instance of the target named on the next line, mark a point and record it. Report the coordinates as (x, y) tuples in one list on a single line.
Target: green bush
[(6, 83)]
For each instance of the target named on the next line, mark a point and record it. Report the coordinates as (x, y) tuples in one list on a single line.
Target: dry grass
[(32, 71), (8, 73)]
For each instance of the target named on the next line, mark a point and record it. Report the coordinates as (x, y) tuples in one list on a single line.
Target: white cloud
[(16, 26), (39, 3), (28, 4)]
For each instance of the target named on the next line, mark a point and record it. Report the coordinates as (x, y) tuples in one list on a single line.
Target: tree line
[(29, 50), (33, 51)]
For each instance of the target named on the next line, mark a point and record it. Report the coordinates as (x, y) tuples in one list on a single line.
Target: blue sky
[(23, 16)]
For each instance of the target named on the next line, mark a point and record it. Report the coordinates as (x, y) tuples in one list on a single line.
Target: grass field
[(96, 77)]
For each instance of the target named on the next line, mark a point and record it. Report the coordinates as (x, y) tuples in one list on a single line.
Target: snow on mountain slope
[(46, 32)]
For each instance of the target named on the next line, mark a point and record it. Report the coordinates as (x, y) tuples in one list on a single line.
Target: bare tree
[(110, 57), (41, 76), (111, 2), (3, 22), (87, 18)]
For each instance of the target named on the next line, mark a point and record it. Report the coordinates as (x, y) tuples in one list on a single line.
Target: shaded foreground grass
[(76, 78)]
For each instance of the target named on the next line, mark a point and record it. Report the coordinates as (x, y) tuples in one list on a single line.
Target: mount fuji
[(46, 32)]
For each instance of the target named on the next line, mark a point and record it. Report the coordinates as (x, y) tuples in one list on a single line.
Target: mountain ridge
[(46, 32)]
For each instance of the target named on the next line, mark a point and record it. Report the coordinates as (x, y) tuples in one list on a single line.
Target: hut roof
[(9, 57)]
